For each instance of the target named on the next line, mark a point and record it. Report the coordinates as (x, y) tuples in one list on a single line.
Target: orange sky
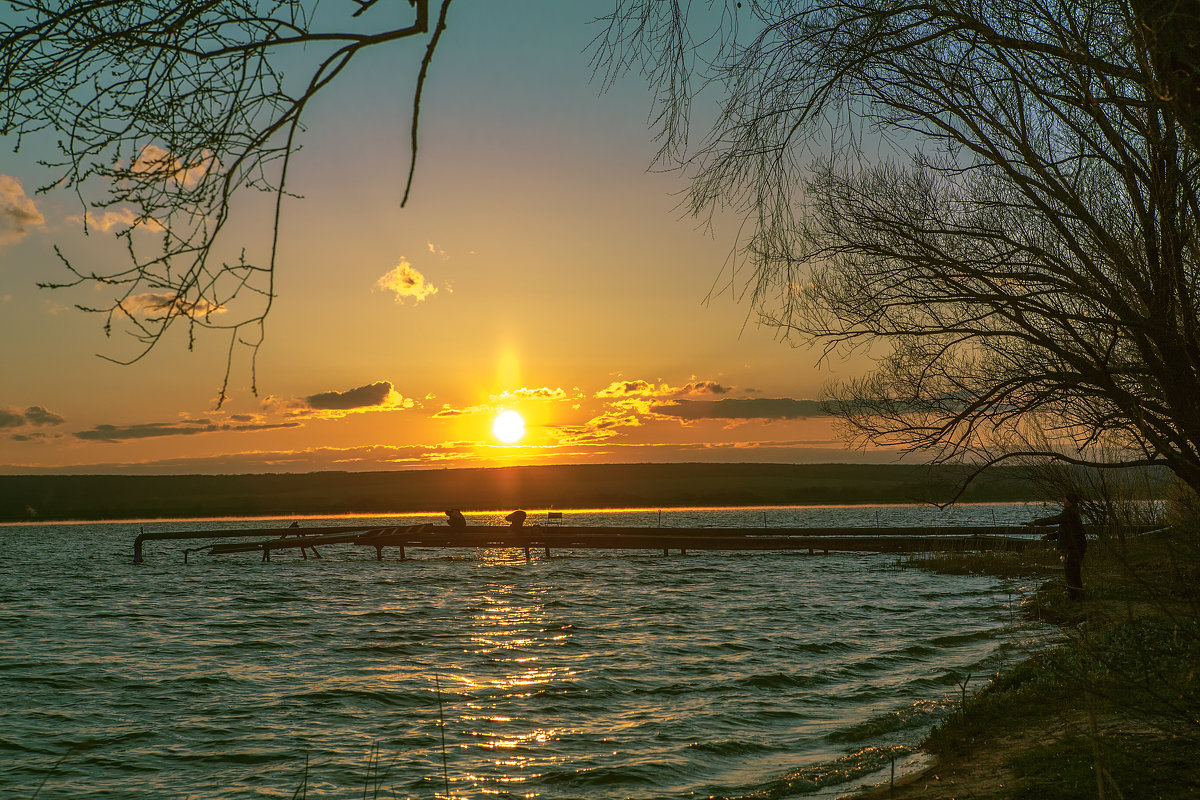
[(539, 266)]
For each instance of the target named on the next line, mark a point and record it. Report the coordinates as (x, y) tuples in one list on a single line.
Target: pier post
[(379, 552), (527, 559), (402, 557)]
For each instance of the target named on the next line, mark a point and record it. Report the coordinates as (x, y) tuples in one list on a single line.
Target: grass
[(1114, 711)]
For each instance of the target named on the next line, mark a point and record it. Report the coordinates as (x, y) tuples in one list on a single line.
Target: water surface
[(597, 674)]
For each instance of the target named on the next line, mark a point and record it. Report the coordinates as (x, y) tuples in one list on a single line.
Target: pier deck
[(555, 537)]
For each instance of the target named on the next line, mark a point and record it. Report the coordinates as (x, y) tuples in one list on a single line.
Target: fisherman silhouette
[(516, 518), (1072, 542)]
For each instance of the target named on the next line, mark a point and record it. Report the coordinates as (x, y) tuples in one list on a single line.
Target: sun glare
[(508, 427)]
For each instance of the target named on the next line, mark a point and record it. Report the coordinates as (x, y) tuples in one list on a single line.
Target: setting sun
[(508, 427)]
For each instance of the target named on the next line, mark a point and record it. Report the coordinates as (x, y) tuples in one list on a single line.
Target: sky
[(540, 267)]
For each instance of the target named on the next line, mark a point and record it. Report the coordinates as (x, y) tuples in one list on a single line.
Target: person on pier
[(516, 518), (1072, 542), (455, 519)]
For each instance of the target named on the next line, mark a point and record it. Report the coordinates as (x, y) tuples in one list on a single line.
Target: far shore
[(52, 498)]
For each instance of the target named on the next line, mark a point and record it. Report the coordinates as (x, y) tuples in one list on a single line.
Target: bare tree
[(998, 198), (164, 112)]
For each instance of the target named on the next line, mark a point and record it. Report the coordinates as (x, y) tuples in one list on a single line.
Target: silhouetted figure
[(302, 553), (1072, 542), (516, 518), (455, 519)]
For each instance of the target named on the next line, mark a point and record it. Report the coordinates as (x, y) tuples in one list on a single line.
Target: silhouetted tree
[(173, 109), (998, 198)]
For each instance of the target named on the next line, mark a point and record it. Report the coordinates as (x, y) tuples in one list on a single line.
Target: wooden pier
[(556, 537)]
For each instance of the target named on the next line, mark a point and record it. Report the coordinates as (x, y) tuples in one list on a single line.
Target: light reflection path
[(515, 654)]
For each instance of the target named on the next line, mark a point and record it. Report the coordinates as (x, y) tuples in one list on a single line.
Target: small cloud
[(115, 219), (35, 436), (748, 408), (40, 416), (372, 395), (155, 161), (37, 416), (644, 389), (156, 305), (704, 387), (637, 388), (447, 411), (405, 281), (18, 214), (529, 393), (147, 430), (378, 396), (186, 427), (437, 251)]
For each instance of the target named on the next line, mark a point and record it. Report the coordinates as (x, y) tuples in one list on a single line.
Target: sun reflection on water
[(512, 660)]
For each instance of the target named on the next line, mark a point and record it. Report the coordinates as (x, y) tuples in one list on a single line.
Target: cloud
[(373, 395), (745, 408), (644, 389), (496, 402), (187, 427), (377, 396), (161, 304), (155, 161), (38, 416), (528, 393), (18, 214), (705, 387), (405, 281), (35, 436), (115, 219)]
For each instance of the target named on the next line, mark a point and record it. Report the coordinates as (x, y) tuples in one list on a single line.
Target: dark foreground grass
[(1113, 711)]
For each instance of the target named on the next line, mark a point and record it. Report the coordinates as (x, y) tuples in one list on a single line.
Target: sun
[(508, 427)]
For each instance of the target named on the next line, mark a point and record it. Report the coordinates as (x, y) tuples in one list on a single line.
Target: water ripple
[(592, 673)]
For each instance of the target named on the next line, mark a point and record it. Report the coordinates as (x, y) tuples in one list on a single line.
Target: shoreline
[(1073, 716)]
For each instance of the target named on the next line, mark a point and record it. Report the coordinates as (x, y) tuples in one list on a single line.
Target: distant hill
[(26, 498)]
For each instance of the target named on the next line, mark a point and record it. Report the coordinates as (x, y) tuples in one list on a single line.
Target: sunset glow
[(476, 326), (509, 427)]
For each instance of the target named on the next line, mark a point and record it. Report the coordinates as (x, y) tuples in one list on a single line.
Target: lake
[(590, 674)]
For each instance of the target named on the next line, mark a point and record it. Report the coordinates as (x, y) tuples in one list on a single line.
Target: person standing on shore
[(1071, 542)]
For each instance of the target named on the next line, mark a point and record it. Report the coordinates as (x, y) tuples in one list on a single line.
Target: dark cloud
[(37, 415), (373, 394), (704, 387), (745, 408), (33, 437), (33, 415), (447, 411), (118, 433)]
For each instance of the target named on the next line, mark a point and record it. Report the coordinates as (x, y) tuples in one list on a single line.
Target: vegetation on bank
[(1114, 710), (34, 498)]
